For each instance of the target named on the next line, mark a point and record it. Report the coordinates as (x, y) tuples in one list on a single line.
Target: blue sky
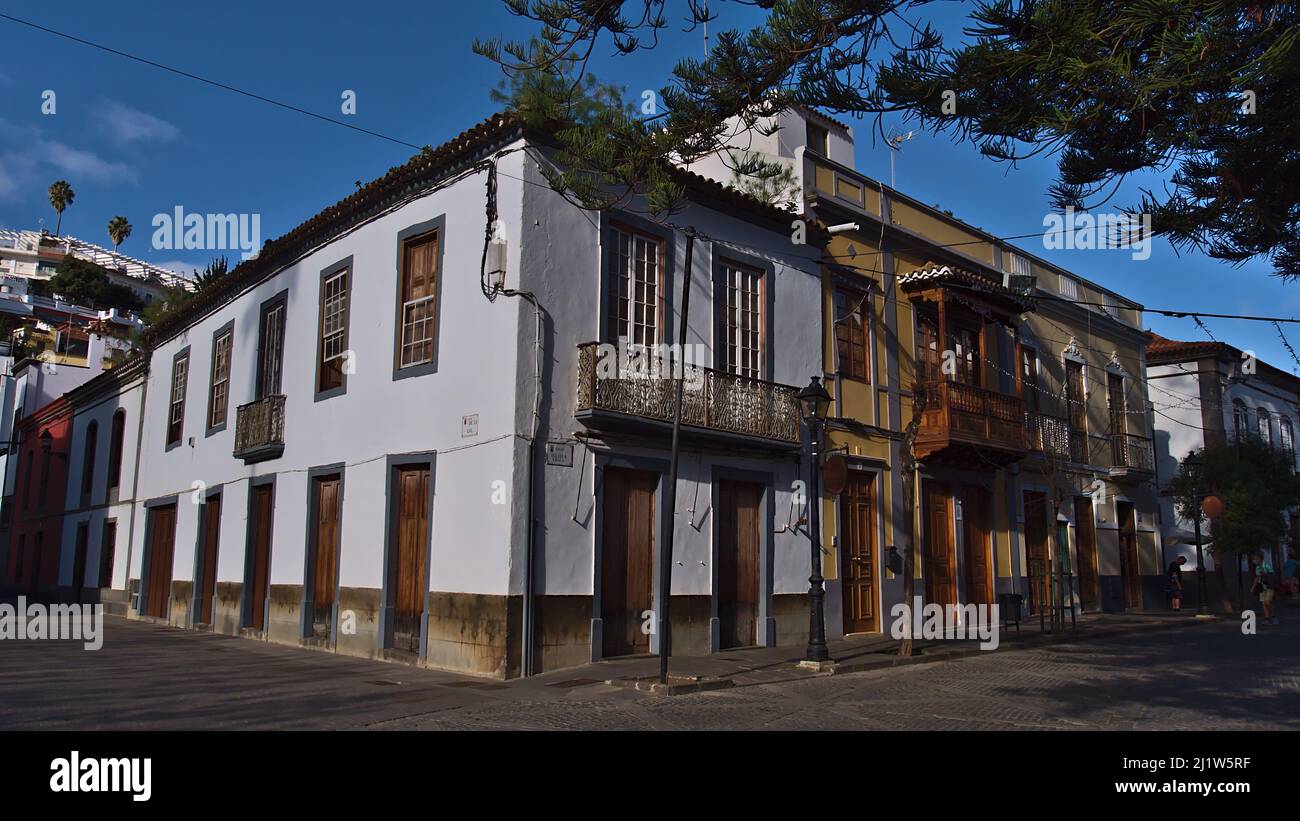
[(138, 141)]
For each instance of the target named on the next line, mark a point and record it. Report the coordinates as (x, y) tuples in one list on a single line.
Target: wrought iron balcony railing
[(259, 429), (609, 380), (1132, 452), (1052, 435)]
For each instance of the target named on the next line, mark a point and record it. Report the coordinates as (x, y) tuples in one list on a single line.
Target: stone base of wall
[(225, 610), (790, 611), (475, 633), (563, 631), (284, 616), (358, 628), (182, 596), (691, 618)]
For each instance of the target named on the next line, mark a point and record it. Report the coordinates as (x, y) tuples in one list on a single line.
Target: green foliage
[(212, 273), (771, 182), (61, 196), (172, 299), (1110, 88), (85, 283), (1255, 481)]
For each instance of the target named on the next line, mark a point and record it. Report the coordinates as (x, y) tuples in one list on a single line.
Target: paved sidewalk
[(769, 665)]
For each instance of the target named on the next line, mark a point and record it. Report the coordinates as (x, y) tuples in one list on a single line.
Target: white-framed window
[(334, 305), (220, 392), (419, 281), (176, 410), (742, 320), (1286, 436), (1265, 425), (635, 275)]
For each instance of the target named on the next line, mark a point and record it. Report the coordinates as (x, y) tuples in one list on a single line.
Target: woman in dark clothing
[(1174, 583)]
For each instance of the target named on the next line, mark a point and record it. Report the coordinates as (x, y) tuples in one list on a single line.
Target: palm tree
[(61, 196), (118, 230)]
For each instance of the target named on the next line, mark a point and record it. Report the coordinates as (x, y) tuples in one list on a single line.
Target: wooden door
[(940, 580), (410, 554), (627, 559), (1036, 554), (162, 536), (738, 562), (263, 505), (326, 542), (107, 547), (79, 559), (1128, 555), (208, 559), (858, 554), (976, 547), (1085, 534)]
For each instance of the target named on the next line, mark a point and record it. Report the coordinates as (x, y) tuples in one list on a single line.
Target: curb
[(676, 686)]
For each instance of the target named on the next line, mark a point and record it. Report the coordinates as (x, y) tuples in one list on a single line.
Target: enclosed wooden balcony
[(259, 429), (965, 425), (622, 396)]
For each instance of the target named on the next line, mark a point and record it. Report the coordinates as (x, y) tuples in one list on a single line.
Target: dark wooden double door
[(739, 558), (209, 543), (859, 585), (322, 581), (627, 560), (162, 552), (1128, 554), (941, 575), (258, 564), (409, 556)]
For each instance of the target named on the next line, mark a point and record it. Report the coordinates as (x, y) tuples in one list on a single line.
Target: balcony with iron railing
[(259, 429), (1053, 437), (1131, 454), (966, 424), (637, 395)]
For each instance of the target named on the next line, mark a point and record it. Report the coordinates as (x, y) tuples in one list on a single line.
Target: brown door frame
[(205, 559), (986, 546), (941, 488), (1039, 596), (247, 612), (309, 604), (1086, 553), (147, 605), (850, 624), (387, 614), (1130, 571), (654, 466), (727, 624)]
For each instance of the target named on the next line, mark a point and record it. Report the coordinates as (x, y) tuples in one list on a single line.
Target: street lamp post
[(814, 402), (1193, 465)]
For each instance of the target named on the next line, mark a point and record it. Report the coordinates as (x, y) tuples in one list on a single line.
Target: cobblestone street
[(1210, 677)]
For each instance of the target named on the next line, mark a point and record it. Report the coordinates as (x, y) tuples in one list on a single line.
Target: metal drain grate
[(575, 682)]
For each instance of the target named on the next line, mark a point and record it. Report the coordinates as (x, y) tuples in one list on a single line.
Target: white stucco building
[(387, 436), (1207, 392)]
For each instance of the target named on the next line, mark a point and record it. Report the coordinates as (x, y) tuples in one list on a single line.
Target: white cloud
[(29, 158), (125, 125)]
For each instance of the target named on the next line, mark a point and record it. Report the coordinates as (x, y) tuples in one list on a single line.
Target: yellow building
[(1035, 462)]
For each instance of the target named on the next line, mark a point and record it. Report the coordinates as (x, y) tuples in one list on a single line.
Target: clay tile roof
[(1171, 349)]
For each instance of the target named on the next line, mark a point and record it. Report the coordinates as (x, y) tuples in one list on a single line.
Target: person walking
[(1174, 583), (1263, 586)]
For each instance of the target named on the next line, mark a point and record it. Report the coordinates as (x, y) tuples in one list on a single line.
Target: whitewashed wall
[(378, 416)]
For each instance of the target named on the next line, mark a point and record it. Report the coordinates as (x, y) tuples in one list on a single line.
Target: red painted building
[(41, 481)]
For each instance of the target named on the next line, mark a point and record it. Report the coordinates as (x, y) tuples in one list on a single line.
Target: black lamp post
[(814, 403), (1193, 464)]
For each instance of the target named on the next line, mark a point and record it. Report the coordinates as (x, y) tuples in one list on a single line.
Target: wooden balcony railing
[(259, 429), (1132, 452), (961, 414), (713, 400)]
